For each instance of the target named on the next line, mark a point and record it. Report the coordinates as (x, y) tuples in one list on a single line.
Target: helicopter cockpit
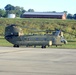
[(58, 33)]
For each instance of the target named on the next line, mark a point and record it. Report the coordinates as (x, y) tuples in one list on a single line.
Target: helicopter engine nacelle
[(13, 30)]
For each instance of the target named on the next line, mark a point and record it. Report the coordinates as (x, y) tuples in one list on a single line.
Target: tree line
[(71, 16), (10, 9)]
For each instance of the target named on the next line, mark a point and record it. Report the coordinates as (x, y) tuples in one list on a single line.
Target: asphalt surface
[(37, 61)]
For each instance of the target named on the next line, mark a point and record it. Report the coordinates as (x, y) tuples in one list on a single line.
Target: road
[(37, 61)]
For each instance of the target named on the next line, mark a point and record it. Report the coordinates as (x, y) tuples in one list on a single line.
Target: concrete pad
[(37, 61)]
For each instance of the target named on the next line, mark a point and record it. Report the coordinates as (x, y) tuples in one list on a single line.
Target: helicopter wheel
[(16, 46), (56, 45), (43, 46), (34, 46)]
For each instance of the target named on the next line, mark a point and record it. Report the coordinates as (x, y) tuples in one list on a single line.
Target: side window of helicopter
[(45, 39), (37, 39), (27, 39), (60, 34)]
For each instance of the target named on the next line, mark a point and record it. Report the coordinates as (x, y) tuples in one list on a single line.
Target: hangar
[(52, 15)]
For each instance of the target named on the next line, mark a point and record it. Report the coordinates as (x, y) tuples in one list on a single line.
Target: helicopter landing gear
[(34, 46), (56, 45), (43, 46), (16, 46)]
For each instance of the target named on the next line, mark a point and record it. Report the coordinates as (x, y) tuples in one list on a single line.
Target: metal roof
[(43, 13)]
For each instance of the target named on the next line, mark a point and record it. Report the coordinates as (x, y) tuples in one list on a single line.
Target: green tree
[(19, 10), (9, 7), (14, 9), (69, 16), (74, 16), (65, 12), (2, 13), (30, 10)]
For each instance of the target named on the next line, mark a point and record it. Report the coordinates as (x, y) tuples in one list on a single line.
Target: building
[(11, 16), (52, 15)]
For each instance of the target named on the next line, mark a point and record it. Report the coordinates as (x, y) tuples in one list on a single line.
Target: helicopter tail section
[(12, 31)]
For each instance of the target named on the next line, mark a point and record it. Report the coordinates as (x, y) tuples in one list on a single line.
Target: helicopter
[(15, 35)]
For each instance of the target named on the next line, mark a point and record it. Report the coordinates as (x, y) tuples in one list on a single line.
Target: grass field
[(3, 42), (69, 45)]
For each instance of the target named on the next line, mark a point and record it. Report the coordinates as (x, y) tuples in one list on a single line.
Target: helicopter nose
[(64, 41)]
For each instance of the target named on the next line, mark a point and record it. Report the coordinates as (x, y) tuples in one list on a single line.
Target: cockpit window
[(58, 33)]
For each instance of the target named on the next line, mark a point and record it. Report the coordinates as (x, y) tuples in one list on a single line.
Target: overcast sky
[(43, 5)]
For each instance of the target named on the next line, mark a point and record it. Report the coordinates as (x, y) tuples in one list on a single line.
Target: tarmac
[(37, 61)]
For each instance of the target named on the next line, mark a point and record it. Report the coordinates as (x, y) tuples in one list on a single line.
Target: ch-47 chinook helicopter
[(14, 35)]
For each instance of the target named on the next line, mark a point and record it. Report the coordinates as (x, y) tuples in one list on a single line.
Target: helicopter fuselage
[(16, 37)]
